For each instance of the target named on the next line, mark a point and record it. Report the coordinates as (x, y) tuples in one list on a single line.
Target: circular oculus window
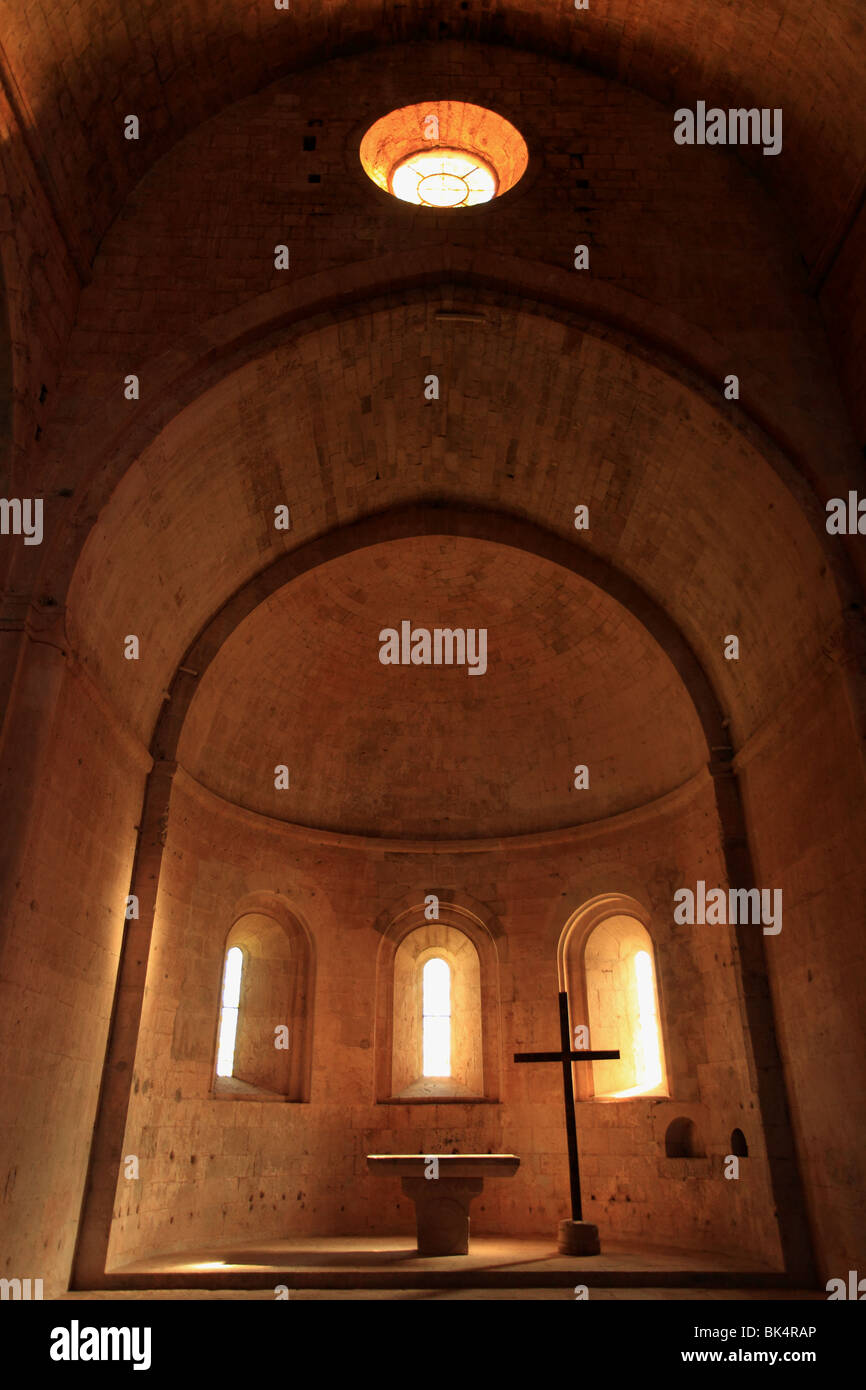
[(444, 154), (443, 179)]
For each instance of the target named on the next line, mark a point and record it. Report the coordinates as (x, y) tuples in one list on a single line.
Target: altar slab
[(442, 1188), (450, 1165)]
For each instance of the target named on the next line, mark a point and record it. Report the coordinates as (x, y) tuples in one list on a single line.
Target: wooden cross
[(566, 1056)]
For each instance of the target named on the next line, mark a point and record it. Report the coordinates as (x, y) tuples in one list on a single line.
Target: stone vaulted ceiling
[(334, 423), (422, 752), (558, 388), (75, 69)]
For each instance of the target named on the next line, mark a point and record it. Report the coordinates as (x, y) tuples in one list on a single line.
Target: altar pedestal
[(442, 1202)]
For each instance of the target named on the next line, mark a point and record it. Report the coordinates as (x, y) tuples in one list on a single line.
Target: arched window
[(437, 1042), (438, 1033), (262, 1039), (622, 1008), (231, 998), (436, 1017)]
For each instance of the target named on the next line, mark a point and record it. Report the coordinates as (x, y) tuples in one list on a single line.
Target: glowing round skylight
[(444, 154), (443, 178)]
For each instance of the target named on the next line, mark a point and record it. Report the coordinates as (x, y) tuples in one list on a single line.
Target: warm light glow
[(444, 154), (229, 1013), (443, 178), (648, 1060), (436, 1018)]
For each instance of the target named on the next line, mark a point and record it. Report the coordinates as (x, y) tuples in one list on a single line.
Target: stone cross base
[(578, 1238)]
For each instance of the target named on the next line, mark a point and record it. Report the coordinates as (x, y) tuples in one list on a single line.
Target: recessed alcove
[(365, 1027), (682, 1139)]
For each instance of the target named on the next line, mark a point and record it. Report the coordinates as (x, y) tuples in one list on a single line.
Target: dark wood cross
[(566, 1056)]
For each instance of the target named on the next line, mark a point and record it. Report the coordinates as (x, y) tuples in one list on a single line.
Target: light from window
[(229, 1013), (645, 1036), (436, 1017), (648, 1053), (442, 178)]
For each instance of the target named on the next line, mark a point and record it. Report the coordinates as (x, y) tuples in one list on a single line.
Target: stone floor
[(467, 1295), (496, 1267)]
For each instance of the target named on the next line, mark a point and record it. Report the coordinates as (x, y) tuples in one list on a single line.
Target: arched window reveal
[(622, 1004)]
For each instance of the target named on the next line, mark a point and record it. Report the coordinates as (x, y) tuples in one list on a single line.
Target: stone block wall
[(62, 929), (803, 792), (214, 1171)]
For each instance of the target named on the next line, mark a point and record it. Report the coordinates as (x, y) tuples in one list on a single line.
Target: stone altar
[(442, 1187)]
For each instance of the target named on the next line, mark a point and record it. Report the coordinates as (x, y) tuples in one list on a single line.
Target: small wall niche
[(739, 1147), (683, 1140)]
